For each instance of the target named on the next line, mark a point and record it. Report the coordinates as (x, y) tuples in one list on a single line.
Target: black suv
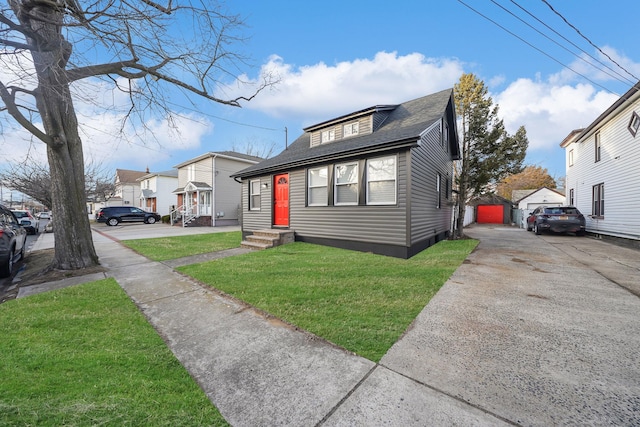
[(113, 215), (13, 239)]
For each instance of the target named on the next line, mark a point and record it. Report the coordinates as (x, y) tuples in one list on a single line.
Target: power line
[(626, 79), (536, 48), (589, 41)]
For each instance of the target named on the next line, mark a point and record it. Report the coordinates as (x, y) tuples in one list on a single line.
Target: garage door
[(490, 214)]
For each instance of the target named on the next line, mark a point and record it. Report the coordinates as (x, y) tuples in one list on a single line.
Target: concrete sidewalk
[(523, 333)]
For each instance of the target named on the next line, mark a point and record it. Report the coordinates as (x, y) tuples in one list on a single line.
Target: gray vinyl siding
[(227, 190), (427, 160), (371, 224), (256, 220)]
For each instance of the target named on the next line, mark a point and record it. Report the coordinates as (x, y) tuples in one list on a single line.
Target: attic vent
[(634, 124)]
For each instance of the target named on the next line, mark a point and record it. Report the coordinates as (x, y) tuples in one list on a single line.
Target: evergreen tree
[(488, 152)]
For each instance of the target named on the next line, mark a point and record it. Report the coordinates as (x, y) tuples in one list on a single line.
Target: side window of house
[(318, 186), (571, 201), (598, 146), (597, 208), (381, 181), (254, 195), (346, 184), (439, 190), (350, 129), (570, 157)]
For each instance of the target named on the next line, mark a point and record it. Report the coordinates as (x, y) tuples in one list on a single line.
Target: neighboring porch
[(194, 205)]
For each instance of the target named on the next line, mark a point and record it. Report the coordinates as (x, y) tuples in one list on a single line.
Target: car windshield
[(561, 210)]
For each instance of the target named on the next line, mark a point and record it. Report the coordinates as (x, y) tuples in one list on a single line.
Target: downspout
[(213, 190)]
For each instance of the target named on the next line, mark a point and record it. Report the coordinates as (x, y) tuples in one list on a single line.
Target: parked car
[(558, 219), (13, 238), (32, 225), (44, 215), (113, 215)]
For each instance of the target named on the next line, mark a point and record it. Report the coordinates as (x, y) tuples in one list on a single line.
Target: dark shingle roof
[(403, 127)]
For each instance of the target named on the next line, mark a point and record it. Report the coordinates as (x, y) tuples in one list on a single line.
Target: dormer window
[(328, 136), (351, 129)]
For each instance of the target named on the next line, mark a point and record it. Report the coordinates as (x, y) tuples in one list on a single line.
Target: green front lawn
[(164, 248), (360, 301), (85, 355)]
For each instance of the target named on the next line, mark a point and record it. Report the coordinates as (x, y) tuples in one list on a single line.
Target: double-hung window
[(346, 184), (381, 181), (598, 200), (571, 197), (327, 136), (350, 129), (318, 186), (598, 145), (254, 195)]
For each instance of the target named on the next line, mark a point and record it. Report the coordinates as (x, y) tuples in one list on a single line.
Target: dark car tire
[(24, 245), (151, 220), (528, 227), (113, 222), (581, 233), (6, 268), (536, 229)]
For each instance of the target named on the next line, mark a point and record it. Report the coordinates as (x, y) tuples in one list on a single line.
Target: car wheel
[(7, 264), (536, 229), (151, 220), (528, 227), (112, 222), (581, 233), (24, 245)]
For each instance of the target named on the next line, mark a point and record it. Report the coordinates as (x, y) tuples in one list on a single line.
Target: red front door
[(281, 200)]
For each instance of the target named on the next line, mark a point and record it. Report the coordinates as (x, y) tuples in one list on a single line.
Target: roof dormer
[(361, 122)]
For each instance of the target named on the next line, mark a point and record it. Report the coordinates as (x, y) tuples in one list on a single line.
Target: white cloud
[(319, 91), (548, 111)]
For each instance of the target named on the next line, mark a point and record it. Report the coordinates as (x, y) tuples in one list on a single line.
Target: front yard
[(359, 301)]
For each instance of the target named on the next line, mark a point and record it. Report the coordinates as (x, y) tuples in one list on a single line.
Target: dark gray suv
[(113, 215), (13, 239)]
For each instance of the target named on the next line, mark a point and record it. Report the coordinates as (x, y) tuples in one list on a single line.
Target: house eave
[(629, 97), (397, 145)]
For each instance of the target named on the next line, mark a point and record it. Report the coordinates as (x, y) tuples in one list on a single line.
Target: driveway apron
[(537, 330)]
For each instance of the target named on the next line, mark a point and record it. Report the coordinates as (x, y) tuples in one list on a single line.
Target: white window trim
[(395, 181), (331, 136), (309, 186), (354, 129), (252, 195), (336, 185), (439, 190)]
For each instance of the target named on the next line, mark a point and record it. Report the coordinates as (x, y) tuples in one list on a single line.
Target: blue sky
[(334, 57)]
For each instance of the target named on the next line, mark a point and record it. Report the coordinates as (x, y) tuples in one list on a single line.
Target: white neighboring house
[(127, 188), (603, 170), (206, 193), (156, 191), (528, 200)]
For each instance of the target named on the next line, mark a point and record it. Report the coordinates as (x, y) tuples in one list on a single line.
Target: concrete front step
[(264, 239)]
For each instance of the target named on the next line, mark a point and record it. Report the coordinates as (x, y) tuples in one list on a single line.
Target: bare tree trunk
[(73, 242)]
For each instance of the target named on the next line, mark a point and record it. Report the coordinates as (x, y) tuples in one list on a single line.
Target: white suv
[(33, 226)]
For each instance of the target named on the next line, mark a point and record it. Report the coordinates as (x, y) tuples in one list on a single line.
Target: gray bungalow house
[(376, 180)]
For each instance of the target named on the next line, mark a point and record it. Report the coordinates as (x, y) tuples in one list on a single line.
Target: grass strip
[(85, 355), (360, 301), (164, 248)]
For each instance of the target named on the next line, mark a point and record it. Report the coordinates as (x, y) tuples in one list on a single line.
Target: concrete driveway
[(536, 330)]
